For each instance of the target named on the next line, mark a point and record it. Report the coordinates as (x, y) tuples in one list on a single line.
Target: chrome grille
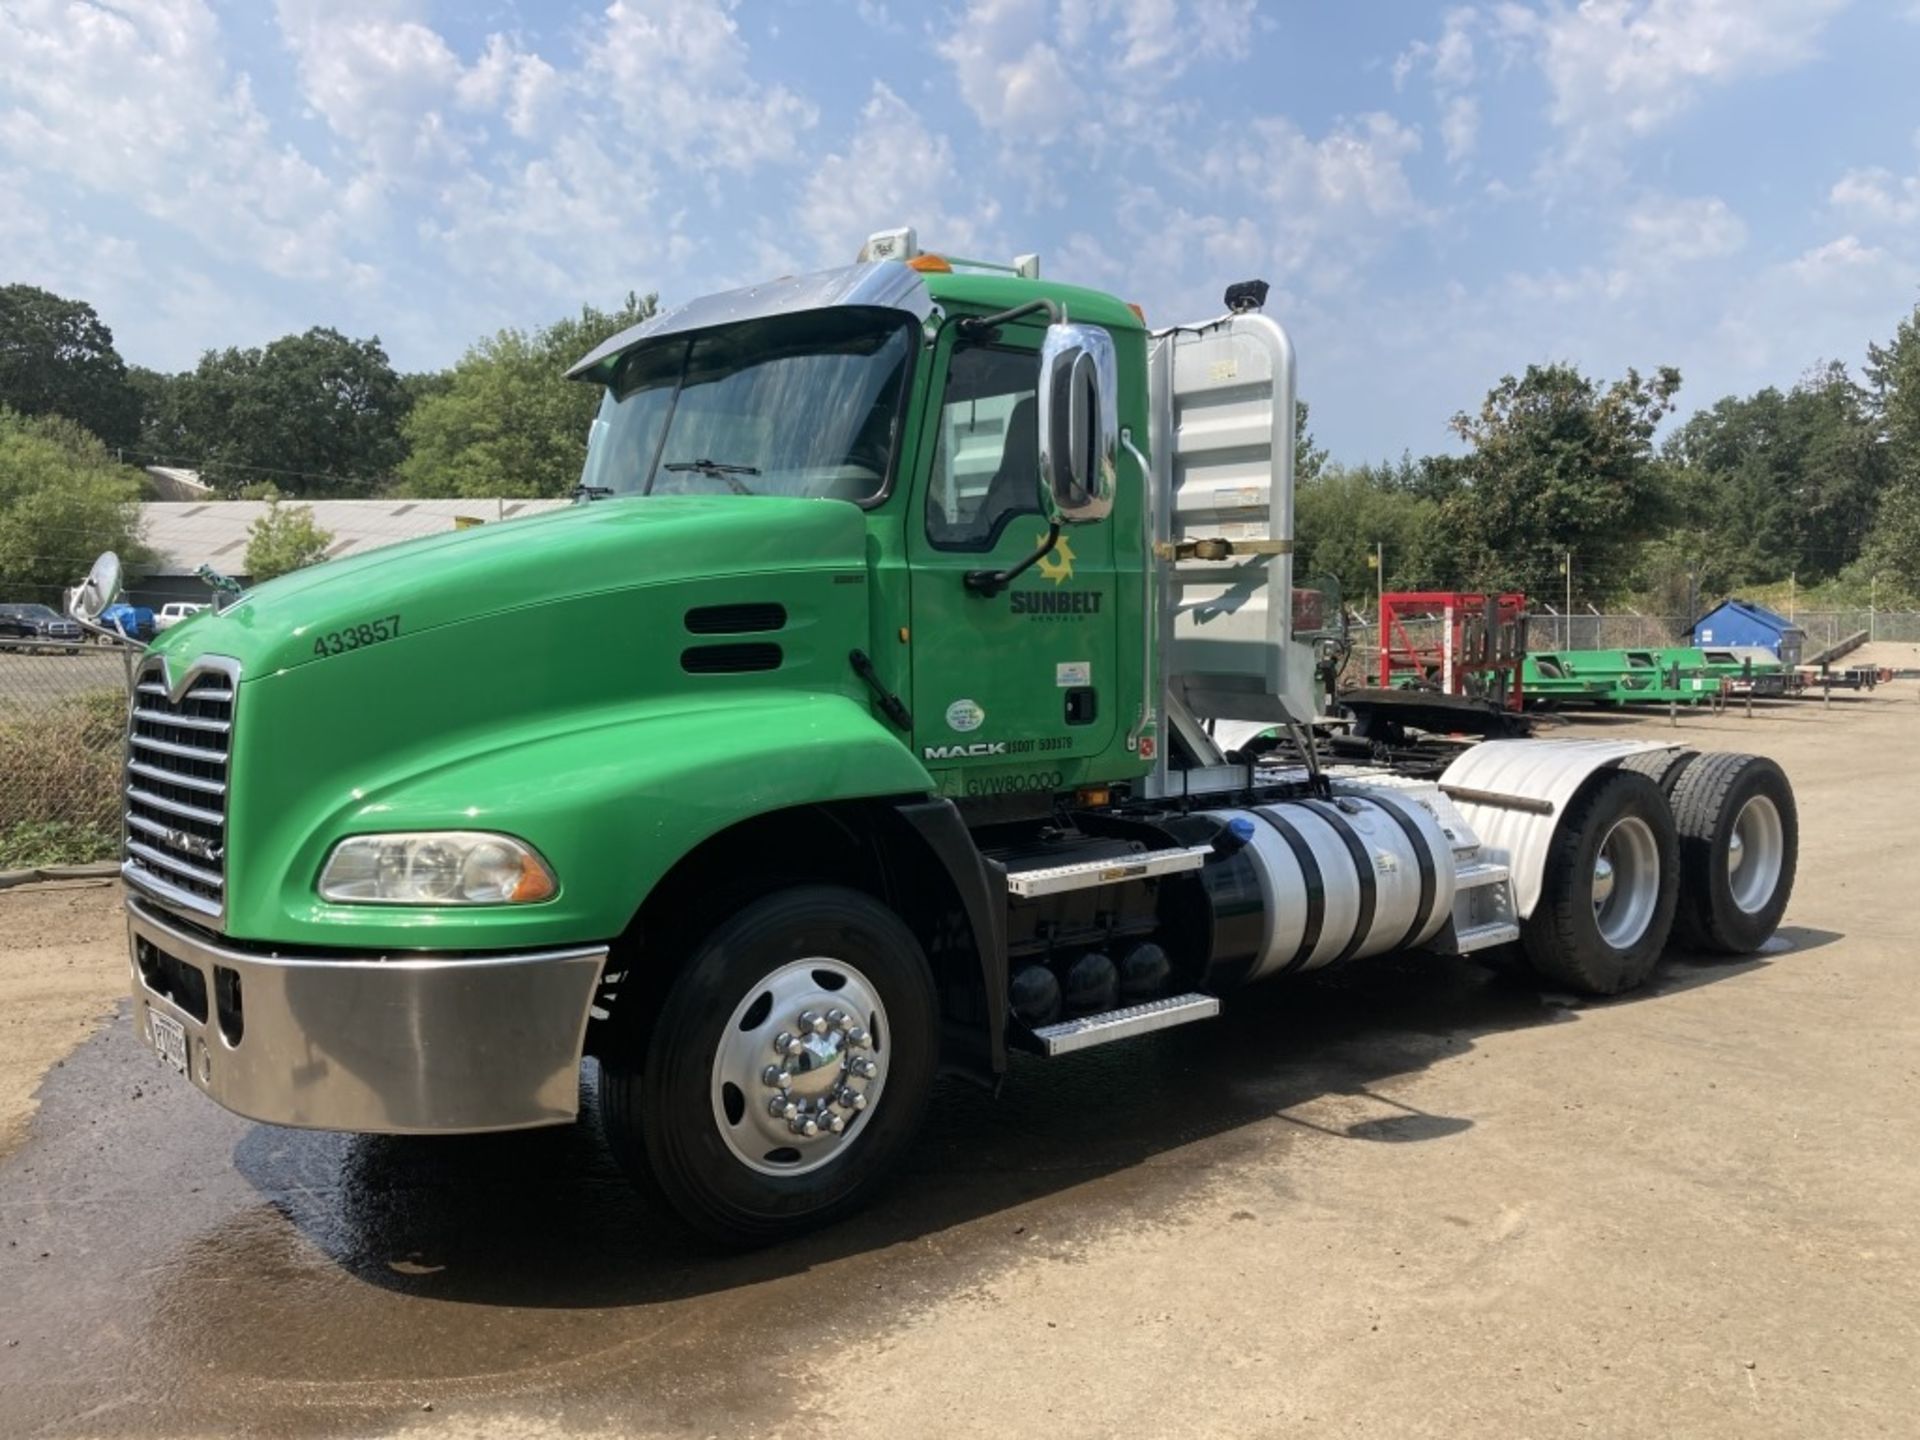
[(176, 791)]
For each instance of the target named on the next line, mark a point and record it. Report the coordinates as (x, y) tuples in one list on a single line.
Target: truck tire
[(1608, 889), (786, 1071), (1663, 767), (1739, 845)]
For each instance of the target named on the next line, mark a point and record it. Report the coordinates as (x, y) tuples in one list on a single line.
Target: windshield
[(806, 405), (34, 612)]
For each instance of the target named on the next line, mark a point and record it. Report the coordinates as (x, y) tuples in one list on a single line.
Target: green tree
[(1343, 515), (1893, 377), (1892, 552), (63, 499), (57, 358), (508, 421), (1309, 459), (285, 539), (1778, 483), (315, 414), (1558, 464)]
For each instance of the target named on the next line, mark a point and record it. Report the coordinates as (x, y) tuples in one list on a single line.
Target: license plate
[(169, 1039)]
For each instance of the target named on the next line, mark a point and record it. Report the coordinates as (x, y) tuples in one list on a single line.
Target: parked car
[(174, 611), (41, 623), (136, 622)]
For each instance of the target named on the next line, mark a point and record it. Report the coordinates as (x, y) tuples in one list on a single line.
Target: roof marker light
[(900, 244)]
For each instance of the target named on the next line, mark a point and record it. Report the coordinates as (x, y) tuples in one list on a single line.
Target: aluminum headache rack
[(1222, 403)]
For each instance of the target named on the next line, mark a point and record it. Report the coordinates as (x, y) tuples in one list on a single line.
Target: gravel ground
[(1411, 1200)]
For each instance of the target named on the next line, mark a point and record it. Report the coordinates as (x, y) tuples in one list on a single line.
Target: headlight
[(437, 867)]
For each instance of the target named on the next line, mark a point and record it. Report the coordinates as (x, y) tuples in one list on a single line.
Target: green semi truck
[(870, 718)]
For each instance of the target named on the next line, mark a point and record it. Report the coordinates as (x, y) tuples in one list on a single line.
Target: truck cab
[(872, 716)]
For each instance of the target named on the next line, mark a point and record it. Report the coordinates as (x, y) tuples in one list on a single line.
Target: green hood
[(563, 555)]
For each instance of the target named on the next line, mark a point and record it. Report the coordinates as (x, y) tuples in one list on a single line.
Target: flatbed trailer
[(1621, 677), (866, 719)]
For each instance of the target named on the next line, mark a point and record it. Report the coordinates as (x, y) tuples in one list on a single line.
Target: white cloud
[(1666, 230), (137, 101), (1352, 181), (893, 171), (1019, 63), (1460, 128), (1452, 70), (1307, 214), (680, 75), (1623, 69), (1009, 71), (1876, 195)]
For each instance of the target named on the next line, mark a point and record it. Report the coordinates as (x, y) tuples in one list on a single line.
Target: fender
[(981, 885), (612, 799), (1549, 770)]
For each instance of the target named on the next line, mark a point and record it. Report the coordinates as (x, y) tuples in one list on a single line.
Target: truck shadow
[(545, 1219)]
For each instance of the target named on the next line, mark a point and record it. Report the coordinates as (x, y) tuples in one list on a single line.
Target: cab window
[(986, 457)]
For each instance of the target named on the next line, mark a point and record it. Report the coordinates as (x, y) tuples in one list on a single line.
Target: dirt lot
[(1413, 1200)]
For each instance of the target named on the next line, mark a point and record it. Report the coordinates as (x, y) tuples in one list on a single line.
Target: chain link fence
[(63, 716)]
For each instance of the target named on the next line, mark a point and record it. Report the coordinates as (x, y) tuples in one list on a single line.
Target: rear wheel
[(1608, 889), (1739, 846), (786, 1071)]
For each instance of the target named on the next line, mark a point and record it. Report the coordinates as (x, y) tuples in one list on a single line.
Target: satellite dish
[(99, 590)]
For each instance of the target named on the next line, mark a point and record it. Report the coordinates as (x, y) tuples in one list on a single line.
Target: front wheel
[(786, 1071)]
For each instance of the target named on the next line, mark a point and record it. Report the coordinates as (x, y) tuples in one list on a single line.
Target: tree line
[(1561, 485), (1559, 476)]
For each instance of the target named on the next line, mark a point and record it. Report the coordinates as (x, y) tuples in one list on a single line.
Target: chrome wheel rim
[(1756, 848), (800, 1066), (1626, 882)]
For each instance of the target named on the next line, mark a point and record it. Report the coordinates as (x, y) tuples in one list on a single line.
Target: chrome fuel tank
[(1311, 883)]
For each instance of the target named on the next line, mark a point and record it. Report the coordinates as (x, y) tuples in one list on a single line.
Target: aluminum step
[(1485, 937), (1085, 874), (1087, 1031), (1477, 873)]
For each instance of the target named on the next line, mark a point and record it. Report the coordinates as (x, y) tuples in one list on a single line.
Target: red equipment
[(1472, 645)]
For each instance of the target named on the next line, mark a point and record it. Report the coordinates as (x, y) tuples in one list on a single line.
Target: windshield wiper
[(589, 492), (717, 470)]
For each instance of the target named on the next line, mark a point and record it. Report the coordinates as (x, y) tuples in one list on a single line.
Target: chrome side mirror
[(1079, 423), (100, 589)]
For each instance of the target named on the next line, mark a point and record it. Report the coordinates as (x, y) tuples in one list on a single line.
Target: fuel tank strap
[(1362, 869), (1423, 856), (1310, 876)]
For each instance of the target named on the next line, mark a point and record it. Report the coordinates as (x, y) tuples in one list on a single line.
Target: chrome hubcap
[(1756, 849), (1626, 882), (800, 1062)]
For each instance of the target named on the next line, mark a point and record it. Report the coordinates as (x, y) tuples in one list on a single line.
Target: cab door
[(1013, 691)]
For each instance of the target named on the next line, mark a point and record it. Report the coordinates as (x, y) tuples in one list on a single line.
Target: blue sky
[(1438, 193)]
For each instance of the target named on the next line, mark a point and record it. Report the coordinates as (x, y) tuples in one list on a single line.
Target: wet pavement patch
[(170, 1268)]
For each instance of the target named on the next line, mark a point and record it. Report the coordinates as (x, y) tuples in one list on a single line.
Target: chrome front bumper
[(408, 1045)]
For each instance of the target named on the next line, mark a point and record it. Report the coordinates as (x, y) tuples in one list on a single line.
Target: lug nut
[(836, 1123), (795, 1045), (858, 1038), (782, 1041), (837, 1019), (859, 1101), (814, 1021), (777, 1107)]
